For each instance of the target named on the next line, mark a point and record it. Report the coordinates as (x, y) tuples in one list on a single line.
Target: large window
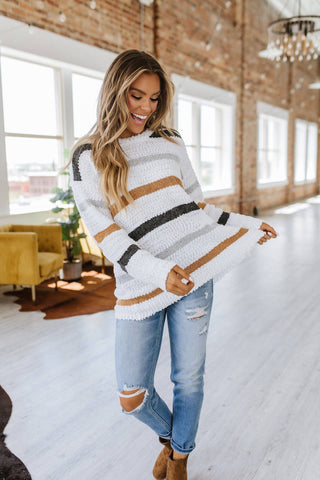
[(272, 145), (85, 92), (205, 121), (36, 119), (305, 159), (33, 133)]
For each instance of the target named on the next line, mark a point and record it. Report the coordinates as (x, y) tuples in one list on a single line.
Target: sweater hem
[(246, 244)]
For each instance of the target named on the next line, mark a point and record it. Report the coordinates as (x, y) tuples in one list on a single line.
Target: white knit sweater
[(169, 224)]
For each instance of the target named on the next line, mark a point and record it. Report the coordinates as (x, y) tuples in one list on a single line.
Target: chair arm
[(19, 258), (49, 236)]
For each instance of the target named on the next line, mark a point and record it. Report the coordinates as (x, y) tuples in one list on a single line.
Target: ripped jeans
[(137, 350)]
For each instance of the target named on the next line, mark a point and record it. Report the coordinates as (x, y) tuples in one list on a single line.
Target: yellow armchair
[(29, 254), (90, 249)]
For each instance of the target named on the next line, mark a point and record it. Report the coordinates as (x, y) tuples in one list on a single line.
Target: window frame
[(267, 110), (65, 113), (65, 56), (306, 159), (204, 94)]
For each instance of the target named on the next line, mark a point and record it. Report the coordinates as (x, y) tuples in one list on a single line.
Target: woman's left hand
[(269, 233)]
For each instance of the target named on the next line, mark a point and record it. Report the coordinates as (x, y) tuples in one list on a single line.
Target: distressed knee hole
[(204, 330), (132, 399), (198, 312)]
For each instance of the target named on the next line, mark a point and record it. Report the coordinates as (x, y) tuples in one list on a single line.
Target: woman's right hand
[(174, 283)]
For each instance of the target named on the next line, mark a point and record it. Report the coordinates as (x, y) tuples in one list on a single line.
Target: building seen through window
[(34, 129)]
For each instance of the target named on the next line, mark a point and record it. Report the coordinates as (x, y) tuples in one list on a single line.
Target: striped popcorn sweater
[(169, 224)]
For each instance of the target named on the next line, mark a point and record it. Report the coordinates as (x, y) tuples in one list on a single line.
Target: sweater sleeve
[(113, 240), (193, 188)]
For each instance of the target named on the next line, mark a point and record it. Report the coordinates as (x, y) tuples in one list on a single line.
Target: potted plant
[(64, 200)]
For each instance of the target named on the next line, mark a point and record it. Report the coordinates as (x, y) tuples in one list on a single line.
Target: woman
[(139, 197)]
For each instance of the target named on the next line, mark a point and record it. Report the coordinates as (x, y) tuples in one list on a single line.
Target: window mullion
[(31, 135), (4, 186), (197, 136), (67, 109), (307, 154)]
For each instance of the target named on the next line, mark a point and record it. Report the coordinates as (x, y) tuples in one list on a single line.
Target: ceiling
[(290, 8)]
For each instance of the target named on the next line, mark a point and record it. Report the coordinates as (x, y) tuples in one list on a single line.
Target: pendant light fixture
[(294, 39)]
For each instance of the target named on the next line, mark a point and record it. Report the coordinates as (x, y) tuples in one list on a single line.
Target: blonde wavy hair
[(113, 117)]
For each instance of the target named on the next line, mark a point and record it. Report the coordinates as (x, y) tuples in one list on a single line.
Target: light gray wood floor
[(260, 417)]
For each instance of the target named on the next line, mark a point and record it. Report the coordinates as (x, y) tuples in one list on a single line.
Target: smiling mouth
[(138, 119)]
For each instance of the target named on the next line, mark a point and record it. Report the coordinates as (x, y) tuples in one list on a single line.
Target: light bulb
[(300, 58), (315, 56), (93, 5), (218, 27), (62, 17), (228, 4)]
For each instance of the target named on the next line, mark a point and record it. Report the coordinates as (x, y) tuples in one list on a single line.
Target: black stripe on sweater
[(159, 220), (124, 260), (169, 134), (224, 218), (75, 161)]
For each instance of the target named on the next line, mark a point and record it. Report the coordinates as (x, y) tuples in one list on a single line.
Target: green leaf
[(76, 250), (57, 209)]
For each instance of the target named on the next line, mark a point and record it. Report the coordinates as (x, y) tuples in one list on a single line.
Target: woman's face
[(142, 101)]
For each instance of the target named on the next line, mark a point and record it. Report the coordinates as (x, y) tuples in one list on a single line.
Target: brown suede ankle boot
[(177, 469), (160, 467)]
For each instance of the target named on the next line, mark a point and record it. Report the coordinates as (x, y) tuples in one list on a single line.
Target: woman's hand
[(174, 283), (269, 233)]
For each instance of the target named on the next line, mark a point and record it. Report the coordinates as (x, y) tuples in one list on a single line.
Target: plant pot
[(72, 270)]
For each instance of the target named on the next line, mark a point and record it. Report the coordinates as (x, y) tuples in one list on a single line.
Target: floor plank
[(260, 416)]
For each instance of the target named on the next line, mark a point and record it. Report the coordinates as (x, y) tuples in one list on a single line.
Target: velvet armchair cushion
[(29, 253)]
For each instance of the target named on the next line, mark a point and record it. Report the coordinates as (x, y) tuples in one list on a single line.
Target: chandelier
[(294, 39)]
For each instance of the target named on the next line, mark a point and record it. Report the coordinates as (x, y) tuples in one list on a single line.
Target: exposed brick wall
[(185, 38)]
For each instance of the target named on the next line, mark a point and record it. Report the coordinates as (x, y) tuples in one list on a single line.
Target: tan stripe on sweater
[(142, 298), (190, 268), (202, 205), (147, 189), (107, 231)]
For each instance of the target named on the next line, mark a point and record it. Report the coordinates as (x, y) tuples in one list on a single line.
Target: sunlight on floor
[(314, 199), (289, 209), (75, 286)]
